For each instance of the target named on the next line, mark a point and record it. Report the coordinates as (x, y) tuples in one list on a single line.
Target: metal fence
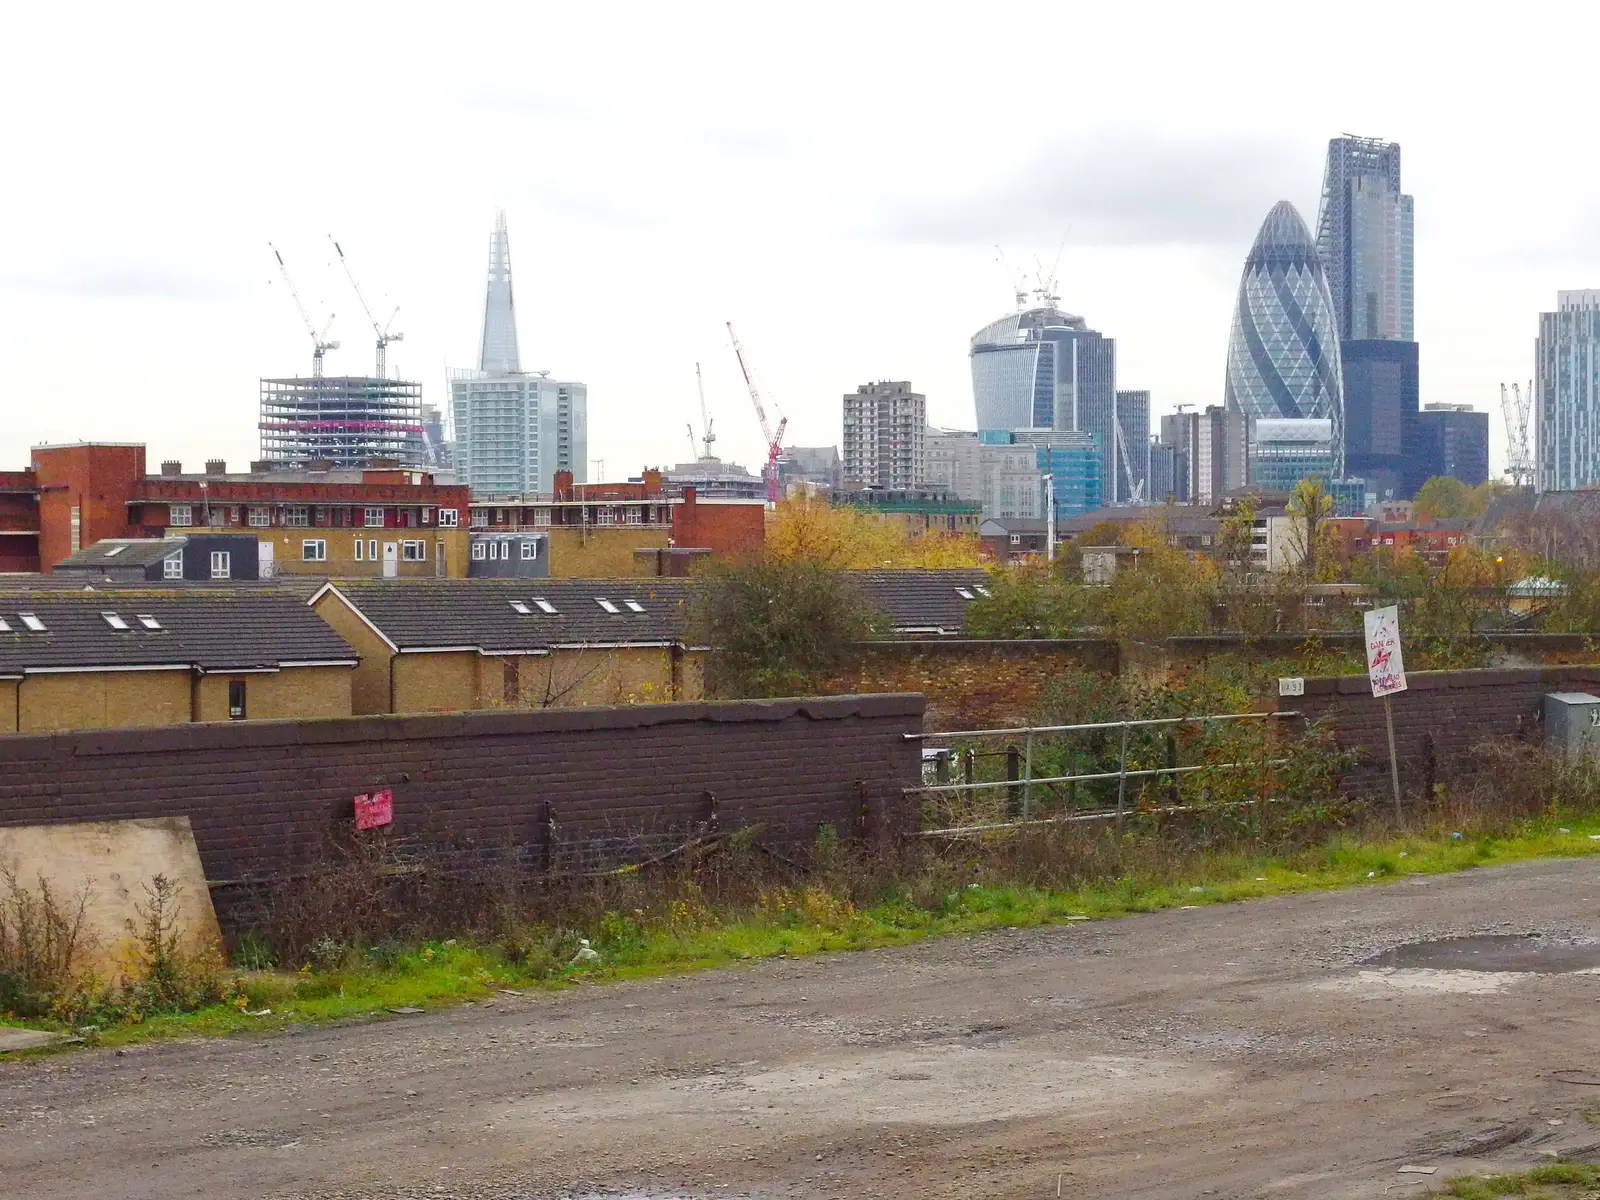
[(1020, 781)]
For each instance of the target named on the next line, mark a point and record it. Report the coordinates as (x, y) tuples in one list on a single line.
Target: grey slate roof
[(438, 613), (212, 631), (419, 614), (123, 552)]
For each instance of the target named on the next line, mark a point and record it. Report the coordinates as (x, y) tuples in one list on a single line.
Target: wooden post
[(1394, 761)]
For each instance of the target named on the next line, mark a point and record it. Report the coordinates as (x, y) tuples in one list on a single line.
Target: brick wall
[(1438, 720), (260, 795)]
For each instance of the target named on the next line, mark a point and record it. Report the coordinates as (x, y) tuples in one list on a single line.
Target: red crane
[(774, 440)]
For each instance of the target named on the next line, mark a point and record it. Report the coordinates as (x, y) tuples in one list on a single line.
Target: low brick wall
[(262, 794), (1438, 720), (1532, 647)]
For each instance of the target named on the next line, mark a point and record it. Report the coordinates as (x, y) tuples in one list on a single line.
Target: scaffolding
[(348, 421)]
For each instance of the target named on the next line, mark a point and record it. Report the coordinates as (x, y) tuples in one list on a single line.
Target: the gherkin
[(1283, 353)]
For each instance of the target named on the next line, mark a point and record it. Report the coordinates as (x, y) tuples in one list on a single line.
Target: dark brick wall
[(260, 795), (1438, 719)]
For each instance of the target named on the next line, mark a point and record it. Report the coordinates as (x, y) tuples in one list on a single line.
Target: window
[(546, 607), (414, 551), (448, 518), (374, 517), (360, 550), (148, 621), (427, 516), (517, 606), (607, 605), (4, 628), (297, 516), (633, 606), (113, 620), (116, 550), (603, 515), (30, 621), (172, 566), (530, 550), (235, 699), (260, 516), (964, 593), (636, 516), (372, 549), (478, 552), (221, 565), (180, 514), (314, 550), (1016, 539)]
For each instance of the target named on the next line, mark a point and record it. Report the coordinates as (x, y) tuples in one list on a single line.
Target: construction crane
[(384, 336), (774, 440), (1136, 490), (1516, 404), (707, 436), (319, 340)]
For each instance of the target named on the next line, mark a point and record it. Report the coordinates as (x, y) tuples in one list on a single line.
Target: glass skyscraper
[(1365, 236), (1566, 390), (1042, 368), (1283, 353)]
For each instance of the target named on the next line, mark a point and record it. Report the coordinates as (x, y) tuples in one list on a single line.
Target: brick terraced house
[(75, 660)]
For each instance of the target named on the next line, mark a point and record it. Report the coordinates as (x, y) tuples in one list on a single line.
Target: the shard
[(497, 349)]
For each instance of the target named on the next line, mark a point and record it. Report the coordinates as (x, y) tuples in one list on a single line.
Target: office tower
[(1218, 466), (1380, 416), (1181, 431), (1043, 368), (1566, 391), (885, 426), (1283, 351), (953, 462), (1163, 484), (1133, 431), (1454, 441), (1365, 238), (514, 429), (1286, 451)]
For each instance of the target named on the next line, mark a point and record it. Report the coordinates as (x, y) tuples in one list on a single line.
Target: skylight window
[(980, 589), (31, 621), (519, 607), (4, 628), (148, 621), (546, 607), (114, 621), (114, 551), (634, 606), (606, 604), (965, 594)]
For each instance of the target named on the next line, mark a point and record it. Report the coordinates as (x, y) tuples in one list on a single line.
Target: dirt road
[(1231, 1050)]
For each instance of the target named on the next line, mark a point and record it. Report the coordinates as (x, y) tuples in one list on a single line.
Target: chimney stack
[(216, 466), (171, 466)]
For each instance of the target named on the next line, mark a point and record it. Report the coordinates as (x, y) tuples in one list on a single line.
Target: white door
[(268, 568), (391, 559)]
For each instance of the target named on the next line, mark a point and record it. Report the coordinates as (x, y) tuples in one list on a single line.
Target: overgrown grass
[(1557, 1181), (808, 918)]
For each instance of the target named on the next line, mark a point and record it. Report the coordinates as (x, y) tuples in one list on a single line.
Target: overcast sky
[(834, 181)]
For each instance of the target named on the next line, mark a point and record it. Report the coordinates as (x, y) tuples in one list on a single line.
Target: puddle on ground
[(1514, 952)]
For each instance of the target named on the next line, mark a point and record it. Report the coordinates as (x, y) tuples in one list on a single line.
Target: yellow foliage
[(805, 529)]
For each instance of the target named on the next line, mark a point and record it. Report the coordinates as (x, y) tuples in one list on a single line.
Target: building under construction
[(345, 420)]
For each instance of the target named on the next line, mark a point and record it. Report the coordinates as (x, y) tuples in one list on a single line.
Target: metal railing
[(1020, 779)]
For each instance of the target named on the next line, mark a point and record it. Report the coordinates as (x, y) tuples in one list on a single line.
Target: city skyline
[(885, 268)]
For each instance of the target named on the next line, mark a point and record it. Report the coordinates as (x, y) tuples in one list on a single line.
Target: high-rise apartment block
[(1566, 391), (1365, 236), (514, 429), (885, 426), (1454, 441)]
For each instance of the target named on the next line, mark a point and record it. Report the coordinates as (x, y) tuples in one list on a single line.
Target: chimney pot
[(171, 466), (216, 466)]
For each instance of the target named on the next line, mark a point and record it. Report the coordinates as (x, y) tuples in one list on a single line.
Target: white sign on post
[(1385, 667)]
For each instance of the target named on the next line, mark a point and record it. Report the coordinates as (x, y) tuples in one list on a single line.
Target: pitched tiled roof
[(124, 552), (214, 631), (480, 613)]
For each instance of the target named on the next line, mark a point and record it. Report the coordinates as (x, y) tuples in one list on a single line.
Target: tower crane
[(1135, 490), (1515, 405), (774, 439), (384, 336), (318, 340), (707, 437)]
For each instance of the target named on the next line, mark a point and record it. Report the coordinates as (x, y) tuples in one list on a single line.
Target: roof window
[(4, 628), (634, 606), (606, 604), (31, 621), (114, 551), (114, 621), (148, 621), (519, 607), (546, 607), (980, 589), (964, 594)]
